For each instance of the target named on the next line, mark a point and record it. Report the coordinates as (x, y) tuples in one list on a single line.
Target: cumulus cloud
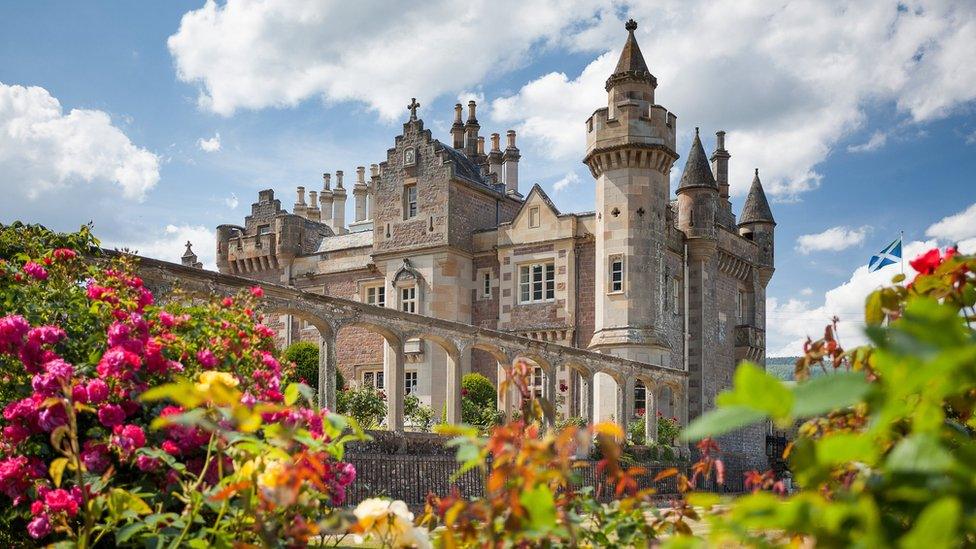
[(790, 322), (833, 239), (210, 145), (169, 243), (232, 201), (43, 148), (875, 142), (570, 179), (787, 81), (253, 55)]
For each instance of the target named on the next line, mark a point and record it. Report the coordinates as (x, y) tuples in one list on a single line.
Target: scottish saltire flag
[(889, 255)]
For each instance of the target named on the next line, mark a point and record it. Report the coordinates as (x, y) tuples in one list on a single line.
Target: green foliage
[(479, 390), (364, 404), (887, 454), (420, 416), (305, 356)]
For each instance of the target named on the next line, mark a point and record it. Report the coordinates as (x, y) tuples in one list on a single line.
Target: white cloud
[(971, 138), (169, 243), (210, 145), (570, 179), (232, 201), (42, 148), (253, 55), (956, 227), (806, 291), (787, 81), (875, 142), (833, 239), (790, 322)]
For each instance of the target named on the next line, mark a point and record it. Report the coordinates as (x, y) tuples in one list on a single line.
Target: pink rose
[(60, 500), (111, 415), (206, 358), (39, 527), (35, 270), (97, 391)]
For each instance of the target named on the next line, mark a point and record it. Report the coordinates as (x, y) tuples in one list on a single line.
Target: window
[(408, 299), (376, 295), (538, 382), (537, 283), (374, 379), (410, 201), (640, 400), (616, 280), (264, 229), (410, 383), (676, 295), (533, 217), (486, 284)]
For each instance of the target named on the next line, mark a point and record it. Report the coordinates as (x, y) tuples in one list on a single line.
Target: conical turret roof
[(631, 65), (756, 208), (697, 172)]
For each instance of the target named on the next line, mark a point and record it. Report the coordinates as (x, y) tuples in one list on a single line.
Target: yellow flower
[(391, 522), (212, 378)]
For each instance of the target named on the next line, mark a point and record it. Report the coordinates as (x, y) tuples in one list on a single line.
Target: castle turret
[(630, 151), (757, 224), (698, 196), (457, 129), (339, 206), (325, 199), (510, 160)]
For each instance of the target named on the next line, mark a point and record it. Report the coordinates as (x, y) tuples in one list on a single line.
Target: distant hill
[(781, 366)]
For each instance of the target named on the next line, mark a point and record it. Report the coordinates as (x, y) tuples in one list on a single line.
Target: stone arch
[(324, 336), (371, 352), (447, 363), (489, 358)]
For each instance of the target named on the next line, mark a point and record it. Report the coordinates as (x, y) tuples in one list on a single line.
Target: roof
[(631, 65), (346, 241), (756, 208), (697, 172), (463, 166)]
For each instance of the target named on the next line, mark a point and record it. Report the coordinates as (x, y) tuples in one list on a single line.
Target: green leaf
[(720, 421), (539, 503), (122, 535), (831, 392), (920, 453), (291, 394), (936, 526), (754, 388), (873, 312), (57, 470), (122, 500), (845, 448)]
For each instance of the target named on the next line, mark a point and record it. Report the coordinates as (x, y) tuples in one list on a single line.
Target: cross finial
[(412, 107), (630, 26), (188, 245)]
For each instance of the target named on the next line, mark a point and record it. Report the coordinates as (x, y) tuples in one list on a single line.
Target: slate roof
[(631, 65), (346, 241), (756, 208), (464, 167), (697, 172)]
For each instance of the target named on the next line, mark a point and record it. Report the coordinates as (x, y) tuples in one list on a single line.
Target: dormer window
[(410, 201)]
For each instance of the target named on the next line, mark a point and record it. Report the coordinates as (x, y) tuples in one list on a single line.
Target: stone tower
[(756, 223), (630, 151)]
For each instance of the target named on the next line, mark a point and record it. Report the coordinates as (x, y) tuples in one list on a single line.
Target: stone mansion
[(444, 229)]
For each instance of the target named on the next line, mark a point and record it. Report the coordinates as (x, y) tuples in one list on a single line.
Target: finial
[(696, 131), (412, 107), (757, 172), (631, 25), (188, 245)]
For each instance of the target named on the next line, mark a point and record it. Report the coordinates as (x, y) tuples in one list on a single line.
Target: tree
[(305, 355)]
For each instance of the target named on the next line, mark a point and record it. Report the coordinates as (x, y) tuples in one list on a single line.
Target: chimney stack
[(325, 200), (359, 192), (495, 158), (457, 130), (339, 206), (300, 206), (510, 164), (313, 206), (720, 165), (471, 128)]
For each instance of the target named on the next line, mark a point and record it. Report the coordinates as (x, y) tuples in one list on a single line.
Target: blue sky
[(859, 116)]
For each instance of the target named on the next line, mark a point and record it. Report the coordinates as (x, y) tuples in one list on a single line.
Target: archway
[(434, 368), (373, 354), (293, 325)]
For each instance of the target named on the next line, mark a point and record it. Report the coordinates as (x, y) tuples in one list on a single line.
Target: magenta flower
[(35, 270), (129, 437), (167, 319), (206, 358), (95, 457), (61, 500), (257, 291), (79, 394), (62, 254), (51, 418), (13, 328), (97, 391), (39, 527), (111, 415), (146, 463)]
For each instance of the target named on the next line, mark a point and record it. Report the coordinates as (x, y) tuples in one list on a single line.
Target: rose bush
[(129, 422)]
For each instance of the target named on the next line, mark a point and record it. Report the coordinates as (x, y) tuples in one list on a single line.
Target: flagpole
[(901, 238)]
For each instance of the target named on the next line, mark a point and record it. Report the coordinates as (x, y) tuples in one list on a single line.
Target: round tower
[(698, 200), (757, 224), (630, 151)]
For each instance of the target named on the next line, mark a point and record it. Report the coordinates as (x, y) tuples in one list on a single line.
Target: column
[(589, 398), (456, 366), (650, 413), (327, 370), (393, 361), (625, 408)]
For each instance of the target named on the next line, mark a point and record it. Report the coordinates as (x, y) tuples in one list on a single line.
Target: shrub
[(478, 389), (420, 417), (364, 404), (305, 356), (129, 422)]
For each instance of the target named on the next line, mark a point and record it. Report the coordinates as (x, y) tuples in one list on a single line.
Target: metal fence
[(411, 477)]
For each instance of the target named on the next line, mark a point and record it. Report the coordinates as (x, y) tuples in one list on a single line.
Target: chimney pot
[(481, 145), (374, 170), (301, 195), (720, 139), (495, 138), (472, 106), (338, 179), (361, 175), (326, 178), (313, 199), (457, 113), (510, 134)]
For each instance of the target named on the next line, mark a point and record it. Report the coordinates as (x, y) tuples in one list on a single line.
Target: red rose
[(257, 291), (927, 262)]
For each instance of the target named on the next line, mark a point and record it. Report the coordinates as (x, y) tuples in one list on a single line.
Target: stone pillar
[(300, 205), (625, 406), (650, 413), (456, 365), (681, 406), (327, 370), (589, 398), (393, 360), (457, 129), (313, 213)]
